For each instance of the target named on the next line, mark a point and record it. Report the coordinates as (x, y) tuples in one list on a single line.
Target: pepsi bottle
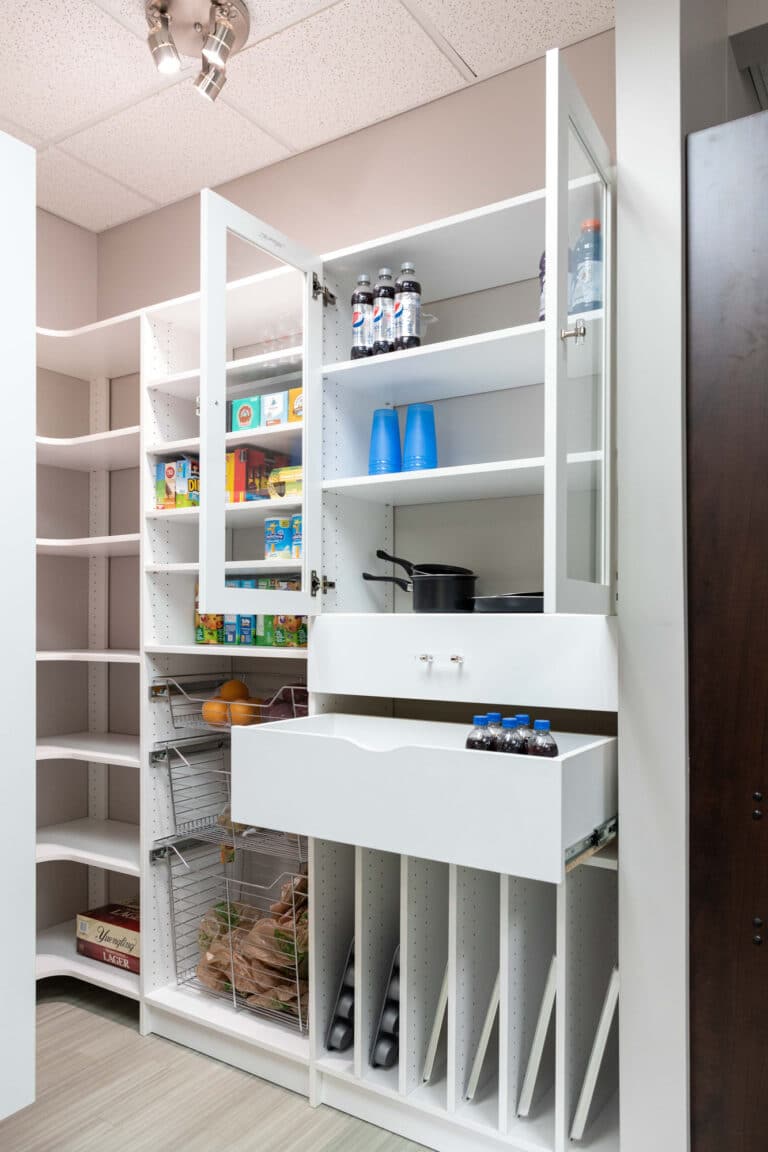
[(407, 308), (362, 318), (383, 313)]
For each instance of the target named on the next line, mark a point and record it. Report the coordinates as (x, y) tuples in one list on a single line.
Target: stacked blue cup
[(420, 449), (384, 455)]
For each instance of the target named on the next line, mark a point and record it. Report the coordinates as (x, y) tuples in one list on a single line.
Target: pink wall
[(473, 147), (66, 273)]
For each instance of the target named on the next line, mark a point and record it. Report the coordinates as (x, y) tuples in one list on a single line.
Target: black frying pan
[(425, 569), (436, 587)]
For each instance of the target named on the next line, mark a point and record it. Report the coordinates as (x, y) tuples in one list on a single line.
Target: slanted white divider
[(377, 933), (331, 927), (423, 960), (589, 1086)]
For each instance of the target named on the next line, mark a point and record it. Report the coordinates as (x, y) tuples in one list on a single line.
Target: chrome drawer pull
[(457, 659), (426, 658)]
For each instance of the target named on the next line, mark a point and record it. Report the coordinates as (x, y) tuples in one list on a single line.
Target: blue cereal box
[(277, 538), (231, 621), (246, 628), (246, 413), (274, 409)]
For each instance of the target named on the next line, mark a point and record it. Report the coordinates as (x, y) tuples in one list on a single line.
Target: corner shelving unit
[(88, 658)]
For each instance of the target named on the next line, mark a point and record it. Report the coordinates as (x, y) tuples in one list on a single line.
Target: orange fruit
[(234, 690), (245, 711), (216, 711)]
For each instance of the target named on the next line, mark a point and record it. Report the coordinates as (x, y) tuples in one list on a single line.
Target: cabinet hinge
[(319, 289), (320, 584)]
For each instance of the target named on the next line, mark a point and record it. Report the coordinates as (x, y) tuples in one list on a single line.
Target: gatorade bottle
[(407, 308), (588, 280), (383, 313), (543, 742), (480, 739), (362, 318), (512, 739)]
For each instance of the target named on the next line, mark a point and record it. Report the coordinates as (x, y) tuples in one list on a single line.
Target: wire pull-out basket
[(195, 703)]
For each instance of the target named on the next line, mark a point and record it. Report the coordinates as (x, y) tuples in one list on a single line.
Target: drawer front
[(512, 815), (546, 661)]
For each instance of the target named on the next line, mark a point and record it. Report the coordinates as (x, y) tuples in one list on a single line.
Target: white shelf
[(280, 438), (465, 481), (108, 348), (91, 546), (108, 844), (91, 656), (484, 248), (251, 650), (199, 1008), (101, 450), (607, 858), (510, 358), (57, 955), (240, 373), (231, 566), (93, 747), (238, 515)]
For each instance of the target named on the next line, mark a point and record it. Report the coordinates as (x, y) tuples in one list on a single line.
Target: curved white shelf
[(251, 650), (98, 451), (107, 348), (279, 438), (93, 747), (57, 955), (127, 545), (92, 656), (108, 844)]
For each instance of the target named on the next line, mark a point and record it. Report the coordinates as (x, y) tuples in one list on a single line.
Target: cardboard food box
[(245, 414), (188, 482), (295, 405), (111, 934), (286, 481), (165, 484), (274, 409)]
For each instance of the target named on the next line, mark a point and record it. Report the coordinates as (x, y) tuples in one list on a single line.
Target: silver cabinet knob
[(426, 658), (457, 659)]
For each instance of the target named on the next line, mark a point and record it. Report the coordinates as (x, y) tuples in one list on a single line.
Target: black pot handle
[(404, 584), (382, 555)]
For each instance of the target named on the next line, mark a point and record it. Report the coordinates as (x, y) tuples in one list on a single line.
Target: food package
[(165, 484), (286, 481), (277, 538), (111, 934), (245, 414), (274, 409), (295, 405), (188, 482), (209, 628)]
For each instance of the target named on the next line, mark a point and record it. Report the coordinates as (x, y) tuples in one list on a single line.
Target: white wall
[(744, 14), (17, 592), (66, 273)]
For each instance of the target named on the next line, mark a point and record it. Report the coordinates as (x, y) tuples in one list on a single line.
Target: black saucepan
[(448, 589)]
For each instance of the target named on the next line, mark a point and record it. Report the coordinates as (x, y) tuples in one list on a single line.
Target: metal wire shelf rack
[(195, 703)]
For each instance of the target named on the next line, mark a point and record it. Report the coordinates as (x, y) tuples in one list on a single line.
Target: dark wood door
[(727, 422)]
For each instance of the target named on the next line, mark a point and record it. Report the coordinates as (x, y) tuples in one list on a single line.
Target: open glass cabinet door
[(260, 343), (578, 377)]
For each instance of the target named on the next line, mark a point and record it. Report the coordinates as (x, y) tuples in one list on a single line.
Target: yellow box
[(286, 481), (295, 404)]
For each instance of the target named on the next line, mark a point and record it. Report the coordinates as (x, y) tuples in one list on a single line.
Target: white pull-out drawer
[(411, 787), (545, 661)]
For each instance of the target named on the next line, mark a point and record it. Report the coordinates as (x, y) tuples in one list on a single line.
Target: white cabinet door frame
[(219, 218), (566, 111)]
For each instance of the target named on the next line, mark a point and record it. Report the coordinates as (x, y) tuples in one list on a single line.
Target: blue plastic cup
[(385, 454), (420, 450)]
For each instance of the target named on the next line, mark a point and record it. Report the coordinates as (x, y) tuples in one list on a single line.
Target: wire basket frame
[(200, 785), (196, 705), (241, 941)]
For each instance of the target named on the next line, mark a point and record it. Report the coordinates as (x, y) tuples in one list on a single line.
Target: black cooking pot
[(436, 587)]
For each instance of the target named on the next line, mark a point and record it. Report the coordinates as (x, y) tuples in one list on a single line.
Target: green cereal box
[(246, 413), (265, 631), (165, 484), (188, 482), (301, 635)]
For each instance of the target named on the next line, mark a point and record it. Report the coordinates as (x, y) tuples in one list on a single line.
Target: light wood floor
[(101, 1087)]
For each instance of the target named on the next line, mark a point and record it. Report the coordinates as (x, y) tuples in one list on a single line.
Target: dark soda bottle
[(480, 739), (362, 318), (494, 727), (383, 313), (407, 308), (512, 739), (524, 727), (542, 743)]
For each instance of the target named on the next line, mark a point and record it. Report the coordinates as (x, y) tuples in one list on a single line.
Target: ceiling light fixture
[(161, 45), (212, 32)]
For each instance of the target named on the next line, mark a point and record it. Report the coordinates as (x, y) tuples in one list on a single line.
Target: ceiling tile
[(267, 16), (19, 132), (174, 144), (493, 35), (64, 65), (351, 65), (78, 193)]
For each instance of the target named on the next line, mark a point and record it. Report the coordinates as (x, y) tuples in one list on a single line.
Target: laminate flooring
[(100, 1085)]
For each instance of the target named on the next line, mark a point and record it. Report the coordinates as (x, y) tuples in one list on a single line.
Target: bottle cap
[(541, 726), (494, 717), (363, 278), (385, 272), (407, 267), (509, 722), (480, 721), (593, 224), (523, 719)]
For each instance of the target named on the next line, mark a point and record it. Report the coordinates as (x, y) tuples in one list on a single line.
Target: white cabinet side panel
[(17, 585)]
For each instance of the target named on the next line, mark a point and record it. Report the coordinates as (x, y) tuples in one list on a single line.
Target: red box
[(108, 956), (111, 934)]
